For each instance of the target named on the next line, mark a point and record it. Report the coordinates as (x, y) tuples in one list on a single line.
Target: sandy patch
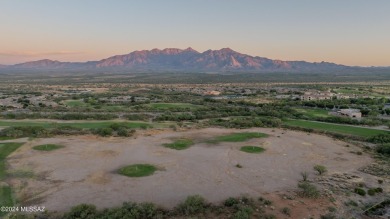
[(84, 171)]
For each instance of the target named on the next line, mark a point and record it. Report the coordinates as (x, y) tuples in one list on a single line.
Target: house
[(317, 96)]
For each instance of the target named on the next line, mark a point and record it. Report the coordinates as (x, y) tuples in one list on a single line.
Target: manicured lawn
[(313, 112), (137, 170), (180, 144), (168, 106), (335, 128), (237, 137), (47, 147), (252, 149), (5, 150), (88, 125), (5, 198), (2, 138)]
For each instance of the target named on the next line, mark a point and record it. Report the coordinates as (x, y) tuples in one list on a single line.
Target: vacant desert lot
[(85, 170)]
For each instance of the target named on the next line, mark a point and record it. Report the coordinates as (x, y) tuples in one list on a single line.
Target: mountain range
[(188, 60)]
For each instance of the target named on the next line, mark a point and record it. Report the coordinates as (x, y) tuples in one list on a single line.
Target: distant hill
[(187, 60)]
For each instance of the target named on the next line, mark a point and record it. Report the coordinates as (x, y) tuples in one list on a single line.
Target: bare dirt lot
[(84, 171)]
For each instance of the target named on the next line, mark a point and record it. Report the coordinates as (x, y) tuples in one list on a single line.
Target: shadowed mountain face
[(223, 60)]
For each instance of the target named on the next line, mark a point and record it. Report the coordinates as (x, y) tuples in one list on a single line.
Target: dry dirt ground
[(84, 171)]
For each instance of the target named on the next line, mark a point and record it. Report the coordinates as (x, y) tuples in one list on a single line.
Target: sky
[(350, 32)]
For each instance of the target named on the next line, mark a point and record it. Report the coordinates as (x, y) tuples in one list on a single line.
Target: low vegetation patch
[(5, 198), (179, 144), (238, 137), (335, 128), (137, 170), (193, 207), (320, 169), (308, 190), (252, 149), (47, 147), (5, 150)]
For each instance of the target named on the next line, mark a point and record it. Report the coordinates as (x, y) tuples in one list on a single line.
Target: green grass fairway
[(252, 149), (2, 138), (171, 106), (88, 125), (335, 128), (137, 170), (180, 144), (237, 137), (5, 198), (47, 147), (313, 112), (5, 150)]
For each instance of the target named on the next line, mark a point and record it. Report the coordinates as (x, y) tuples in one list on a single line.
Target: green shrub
[(243, 213), (379, 190), (286, 211), (104, 132), (360, 191), (384, 149), (320, 169), (308, 190), (82, 211), (230, 202), (380, 138), (371, 192), (192, 205), (123, 132)]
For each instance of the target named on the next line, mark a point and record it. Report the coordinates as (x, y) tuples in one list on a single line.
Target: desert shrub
[(243, 213), (379, 190), (123, 132), (103, 131), (380, 138), (82, 211), (380, 181), (25, 131), (286, 211), (147, 210), (360, 191), (304, 175), (320, 169), (192, 205), (230, 202), (267, 202), (384, 149), (308, 190), (371, 192), (328, 216), (351, 203)]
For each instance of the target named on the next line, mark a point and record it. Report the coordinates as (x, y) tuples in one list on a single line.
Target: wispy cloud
[(37, 54)]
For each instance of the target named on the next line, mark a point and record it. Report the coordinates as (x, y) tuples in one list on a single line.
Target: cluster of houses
[(319, 95)]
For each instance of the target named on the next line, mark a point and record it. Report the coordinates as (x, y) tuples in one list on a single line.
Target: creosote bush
[(192, 205), (320, 169), (308, 190)]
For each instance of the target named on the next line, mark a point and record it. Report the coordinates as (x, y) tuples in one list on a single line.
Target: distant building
[(308, 96), (352, 113)]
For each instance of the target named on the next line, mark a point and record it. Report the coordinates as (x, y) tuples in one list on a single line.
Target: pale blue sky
[(353, 32)]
